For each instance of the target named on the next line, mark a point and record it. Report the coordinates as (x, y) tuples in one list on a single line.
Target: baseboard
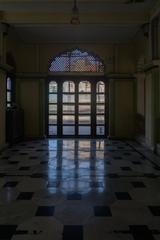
[(142, 140), (3, 147), (120, 138), (158, 149), (30, 138)]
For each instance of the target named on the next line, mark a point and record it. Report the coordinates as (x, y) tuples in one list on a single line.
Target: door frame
[(76, 78)]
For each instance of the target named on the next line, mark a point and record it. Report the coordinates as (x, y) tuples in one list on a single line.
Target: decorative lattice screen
[(77, 61)]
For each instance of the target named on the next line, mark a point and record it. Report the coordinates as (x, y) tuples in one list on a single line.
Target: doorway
[(77, 108), (77, 96)]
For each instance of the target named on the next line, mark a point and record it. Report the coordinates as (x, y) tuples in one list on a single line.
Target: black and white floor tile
[(79, 190)]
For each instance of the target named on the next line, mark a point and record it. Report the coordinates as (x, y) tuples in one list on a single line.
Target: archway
[(77, 96)]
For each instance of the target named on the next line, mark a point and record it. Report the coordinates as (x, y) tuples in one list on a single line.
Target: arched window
[(9, 91), (52, 87), (77, 60), (100, 87), (68, 87), (84, 86)]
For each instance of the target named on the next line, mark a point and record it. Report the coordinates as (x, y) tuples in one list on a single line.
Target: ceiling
[(102, 21), (84, 5)]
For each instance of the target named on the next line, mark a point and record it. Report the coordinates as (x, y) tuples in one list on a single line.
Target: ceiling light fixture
[(75, 14)]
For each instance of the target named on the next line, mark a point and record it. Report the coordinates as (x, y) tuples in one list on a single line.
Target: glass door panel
[(84, 86), (52, 109), (84, 109), (52, 87), (68, 109), (52, 119), (100, 119), (68, 130), (100, 98), (84, 130), (100, 88), (100, 130), (84, 120), (69, 87), (68, 98), (52, 130), (100, 109), (76, 109), (68, 119), (84, 98), (52, 98)]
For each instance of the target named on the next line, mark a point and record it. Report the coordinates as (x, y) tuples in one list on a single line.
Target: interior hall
[(79, 119)]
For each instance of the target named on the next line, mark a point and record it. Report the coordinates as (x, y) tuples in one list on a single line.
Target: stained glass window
[(77, 61)]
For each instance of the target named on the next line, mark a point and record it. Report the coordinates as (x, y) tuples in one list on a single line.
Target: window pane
[(100, 98), (9, 84), (52, 98), (53, 119), (68, 119), (52, 109), (68, 109), (84, 130), (84, 109), (53, 87), (52, 130), (100, 119), (100, 108), (84, 86), (68, 130), (8, 104), (84, 98), (68, 98), (68, 87), (100, 87), (84, 119), (8, 96), (100, 130)]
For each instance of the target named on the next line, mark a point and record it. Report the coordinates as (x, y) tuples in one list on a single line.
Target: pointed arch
[(77, 60)]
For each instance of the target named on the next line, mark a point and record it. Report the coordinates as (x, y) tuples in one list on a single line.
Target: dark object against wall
[(14, 125)]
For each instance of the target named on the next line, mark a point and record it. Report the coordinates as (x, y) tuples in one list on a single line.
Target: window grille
[(77, 61)]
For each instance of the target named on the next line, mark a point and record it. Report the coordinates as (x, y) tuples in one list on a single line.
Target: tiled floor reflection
[(79, 190)]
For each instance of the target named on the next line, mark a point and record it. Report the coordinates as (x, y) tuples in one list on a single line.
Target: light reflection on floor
[(75, 189), (77, 164)]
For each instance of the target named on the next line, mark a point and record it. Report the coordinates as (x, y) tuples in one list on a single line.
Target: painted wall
[(124, 108), (141, 94), (30, 92), (141, 58), (125, 58), (12, 43), (147, 92), (30, 98), (156, 98), (34, 59)]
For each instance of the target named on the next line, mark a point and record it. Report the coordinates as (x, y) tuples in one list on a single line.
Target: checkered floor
[(79, 190)]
